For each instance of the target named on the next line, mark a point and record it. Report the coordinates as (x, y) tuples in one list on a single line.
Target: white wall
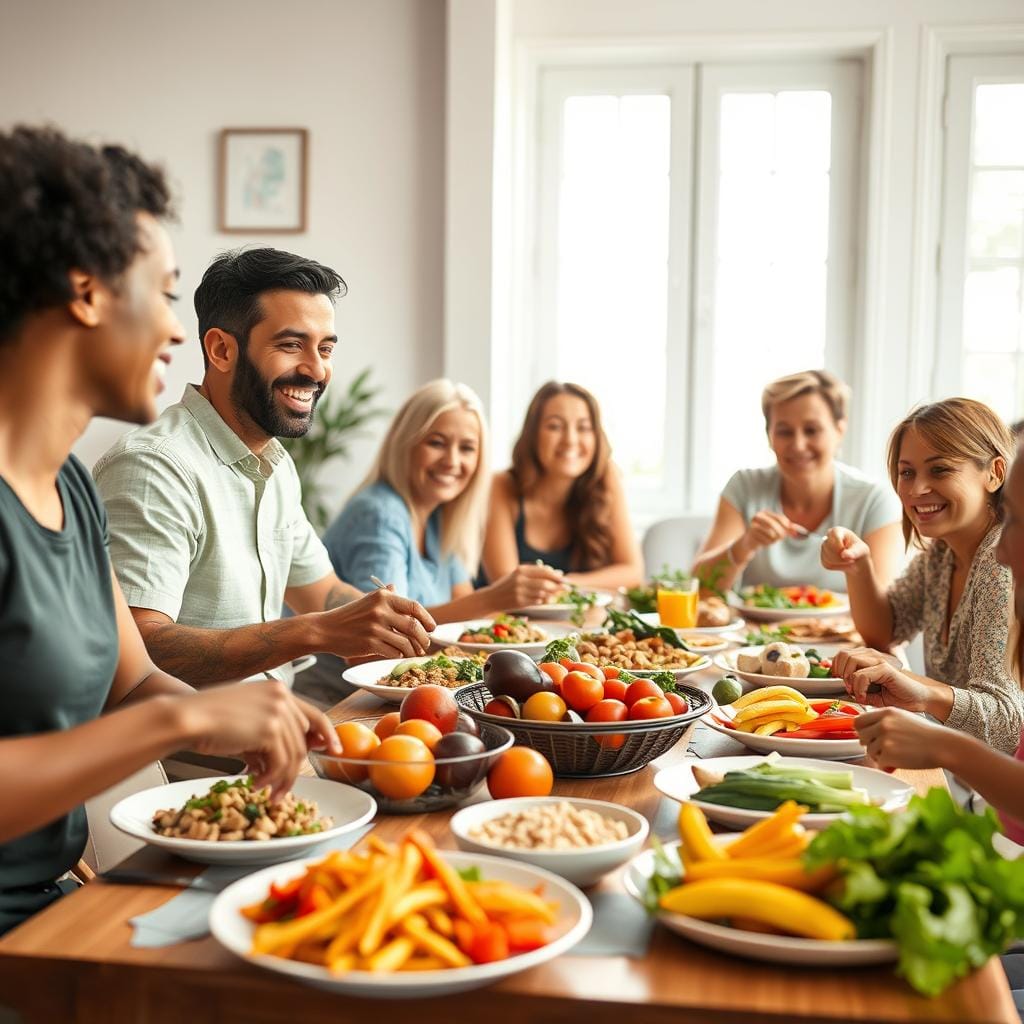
[(366, 77), (898, 329)]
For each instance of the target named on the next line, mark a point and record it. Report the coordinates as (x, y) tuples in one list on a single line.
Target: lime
[(726, 690)]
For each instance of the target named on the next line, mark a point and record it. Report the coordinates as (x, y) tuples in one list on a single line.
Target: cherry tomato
[(609, 711), (615, 689), (680, 705), (585, 666), (555, 672), (520, 771), (544, 707), (641, 688), (581, 691), (651, 707)]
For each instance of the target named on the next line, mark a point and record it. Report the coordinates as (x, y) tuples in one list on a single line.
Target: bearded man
[(208, 537)]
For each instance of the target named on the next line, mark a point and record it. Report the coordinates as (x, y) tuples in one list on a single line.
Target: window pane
[(998, 117), (771, 270), (992, 310), (993, 380), (613, 268), (997, 213)]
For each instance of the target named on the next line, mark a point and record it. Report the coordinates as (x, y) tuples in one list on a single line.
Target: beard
[(254, 396)]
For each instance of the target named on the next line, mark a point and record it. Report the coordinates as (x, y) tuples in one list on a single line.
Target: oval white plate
[(583, 866), (349, 807), (235, 932), (367, 676), (780, 949), (447, 635), (678, 783), (653, 619), (829, 687), (559, 609), (824, 750), (749, 611)]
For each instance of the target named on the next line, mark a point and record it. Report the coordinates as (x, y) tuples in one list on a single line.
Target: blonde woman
[(765, 515), (418, 519), (948, 464)]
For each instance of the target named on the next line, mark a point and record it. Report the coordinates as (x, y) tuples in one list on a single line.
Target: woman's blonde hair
[(960, 429), (834, 393), (462, 518)]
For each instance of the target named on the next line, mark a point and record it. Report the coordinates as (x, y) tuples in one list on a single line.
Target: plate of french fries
[(400, 920)]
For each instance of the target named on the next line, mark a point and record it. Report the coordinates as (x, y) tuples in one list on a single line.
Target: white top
[(858, 503)]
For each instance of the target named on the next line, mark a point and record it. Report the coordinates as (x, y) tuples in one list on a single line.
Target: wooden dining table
[(75, 961)]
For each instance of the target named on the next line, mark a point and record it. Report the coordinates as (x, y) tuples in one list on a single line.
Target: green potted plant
[(336, 425)]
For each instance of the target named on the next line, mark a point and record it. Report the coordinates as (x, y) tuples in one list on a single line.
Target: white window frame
[(842, 78), (963, 74), (557, 85)]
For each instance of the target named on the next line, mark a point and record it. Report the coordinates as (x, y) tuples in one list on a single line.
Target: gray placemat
[(621, 927)]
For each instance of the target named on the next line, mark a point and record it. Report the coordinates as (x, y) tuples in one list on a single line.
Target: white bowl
[(780, 949), (349, 807), (234, 932), (368, 675), (749, 611), (580, 866), (784, 743), (447, 635)]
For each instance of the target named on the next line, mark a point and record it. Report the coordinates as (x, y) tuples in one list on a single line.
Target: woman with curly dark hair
[(562, 501)]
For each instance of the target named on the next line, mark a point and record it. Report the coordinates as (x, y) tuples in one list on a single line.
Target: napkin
[(187, 915), (621, 927)]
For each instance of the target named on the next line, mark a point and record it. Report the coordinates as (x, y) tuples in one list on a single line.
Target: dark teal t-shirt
[(58, 654)]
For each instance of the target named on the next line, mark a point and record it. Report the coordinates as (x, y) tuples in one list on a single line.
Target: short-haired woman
[(948, 464), (765, 515), (562, 502), (417, 520)]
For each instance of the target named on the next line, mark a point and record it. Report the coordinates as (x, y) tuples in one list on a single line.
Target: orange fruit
[(387, 724), (421, 729), (359, 741), (406, 767), (521, 771)]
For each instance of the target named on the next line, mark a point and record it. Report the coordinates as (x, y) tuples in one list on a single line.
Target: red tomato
[(555, 672), (585, 666), (432, 703), (609, 711), (581, 691), (680, 705), (610, 672), (651, 707), (615, 689), (641, 688)]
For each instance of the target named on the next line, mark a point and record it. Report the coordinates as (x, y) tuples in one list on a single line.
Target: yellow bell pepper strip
[(769, 693), (698, 841), (783, 871), (777, 905), (766, 831)]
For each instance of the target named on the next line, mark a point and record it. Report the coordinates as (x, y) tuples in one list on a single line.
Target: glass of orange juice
[(677, 607)]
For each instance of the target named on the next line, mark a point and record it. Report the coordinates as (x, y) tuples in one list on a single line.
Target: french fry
[(439, 920), (423, 896), (391, 956), (346, 962), (416, 927), (502, 898), (423, 963), (345, 938), (465, 904), (380, 845), (373, 936), (310, 952)]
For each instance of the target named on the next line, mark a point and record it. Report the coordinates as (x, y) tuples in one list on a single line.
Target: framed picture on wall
[(263, 180)]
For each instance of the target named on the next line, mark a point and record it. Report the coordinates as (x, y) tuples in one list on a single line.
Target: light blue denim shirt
[(373, 536)]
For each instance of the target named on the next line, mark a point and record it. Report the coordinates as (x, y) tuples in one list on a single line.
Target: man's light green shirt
[(201, 528)]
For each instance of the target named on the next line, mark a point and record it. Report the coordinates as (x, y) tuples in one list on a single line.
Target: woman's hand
[(264, 723), (895, 738), (766, 528), (842, 549), (526, 585), (872, 679)]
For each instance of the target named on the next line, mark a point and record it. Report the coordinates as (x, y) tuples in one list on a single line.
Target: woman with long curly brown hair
[(562, 501)]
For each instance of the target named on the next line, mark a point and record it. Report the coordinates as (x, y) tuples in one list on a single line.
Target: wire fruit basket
[(584, 750)]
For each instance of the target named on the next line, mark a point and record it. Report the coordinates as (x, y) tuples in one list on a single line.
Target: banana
[(793, 911), (787, 871), (769, 693), (699, 844), (769, 728), (765, 707), (787, 718)]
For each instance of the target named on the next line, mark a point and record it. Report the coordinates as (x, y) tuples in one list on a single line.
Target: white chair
[(674, 542)]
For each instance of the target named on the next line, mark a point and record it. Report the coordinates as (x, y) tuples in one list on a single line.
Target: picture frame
[(262, 180)]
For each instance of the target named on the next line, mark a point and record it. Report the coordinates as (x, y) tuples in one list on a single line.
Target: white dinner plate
[(824, 750), (749, 611), (654, 619), (780, 949), (447, 635), (677, 782), (828, 687), (559, 609), (349, 807), (368, 675), (235, 932)]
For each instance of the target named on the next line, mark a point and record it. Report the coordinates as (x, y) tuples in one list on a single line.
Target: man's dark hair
[(228, 297), (66, 205)]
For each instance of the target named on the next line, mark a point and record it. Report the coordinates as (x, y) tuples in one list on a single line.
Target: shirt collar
[(230, 448)]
